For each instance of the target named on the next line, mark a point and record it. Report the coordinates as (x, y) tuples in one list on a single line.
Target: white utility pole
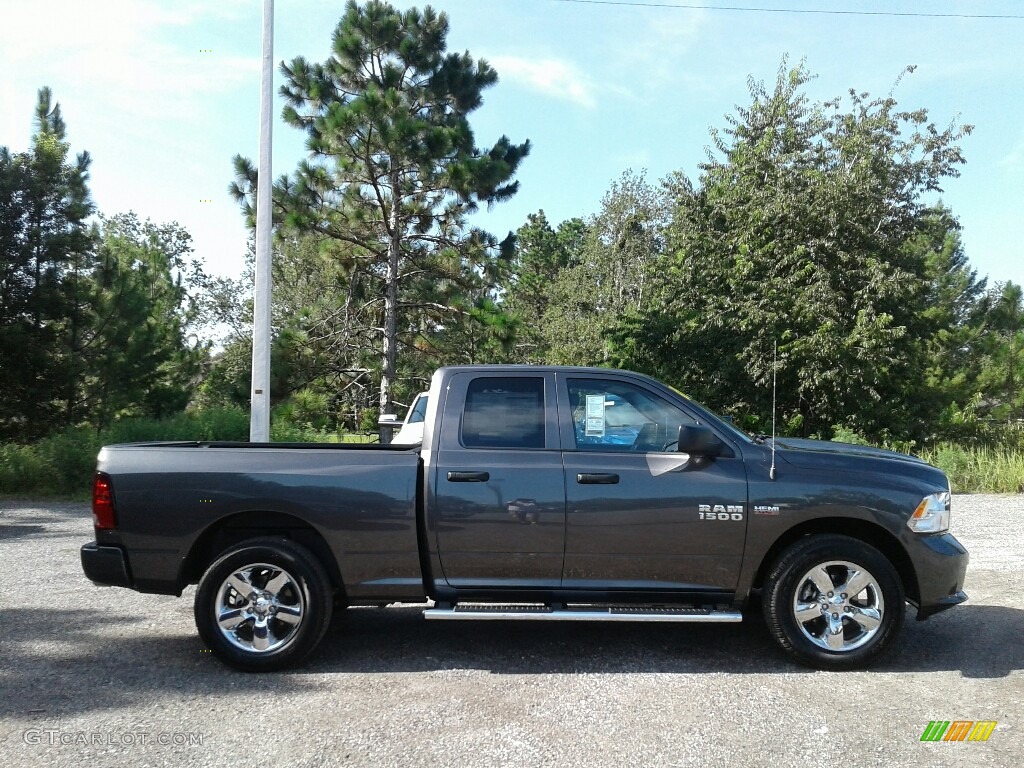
[(259, 424)]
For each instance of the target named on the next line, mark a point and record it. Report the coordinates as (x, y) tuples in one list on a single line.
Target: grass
[(63, 464), (979, 469), (988, 461)]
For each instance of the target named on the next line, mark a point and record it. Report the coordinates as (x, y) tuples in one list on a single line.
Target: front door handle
[(468, 477), (597, 478)]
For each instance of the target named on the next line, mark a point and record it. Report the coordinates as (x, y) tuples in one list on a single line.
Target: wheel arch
[(868, 532), (240, 526)]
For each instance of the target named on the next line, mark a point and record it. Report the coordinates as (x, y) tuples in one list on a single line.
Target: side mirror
[(699, 441)]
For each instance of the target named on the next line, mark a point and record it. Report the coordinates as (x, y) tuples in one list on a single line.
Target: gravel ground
[(108, 677)]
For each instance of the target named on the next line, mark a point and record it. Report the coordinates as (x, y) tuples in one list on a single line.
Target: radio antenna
[(775, 356)]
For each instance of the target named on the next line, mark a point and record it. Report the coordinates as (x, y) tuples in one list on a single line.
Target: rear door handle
[(597, 478), (468, 477)]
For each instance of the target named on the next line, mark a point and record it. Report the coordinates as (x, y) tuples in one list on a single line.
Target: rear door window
[(504, 412)]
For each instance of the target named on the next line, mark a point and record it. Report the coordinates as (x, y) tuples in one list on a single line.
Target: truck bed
[(174, 498)]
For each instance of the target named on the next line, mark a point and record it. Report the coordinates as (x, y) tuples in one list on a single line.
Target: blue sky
[(597, 88)]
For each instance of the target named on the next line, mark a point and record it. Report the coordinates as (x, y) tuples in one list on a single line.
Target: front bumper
[(940, 562), (106, 566)]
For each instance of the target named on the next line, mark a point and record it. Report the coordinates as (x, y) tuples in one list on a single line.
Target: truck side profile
[(538, 493)]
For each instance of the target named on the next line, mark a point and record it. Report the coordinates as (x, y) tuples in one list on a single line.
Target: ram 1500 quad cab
[(538, 493)]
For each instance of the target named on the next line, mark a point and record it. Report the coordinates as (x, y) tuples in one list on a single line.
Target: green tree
[(20, 358), (46, 249), (394, 170), (1002, 377), (541, 253), (797, 233), (324, 321), (609, 277), (952, 335), (227, 380), (327, 317), (136, 352)]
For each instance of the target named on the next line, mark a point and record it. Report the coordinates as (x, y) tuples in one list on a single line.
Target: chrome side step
[(537, 612)]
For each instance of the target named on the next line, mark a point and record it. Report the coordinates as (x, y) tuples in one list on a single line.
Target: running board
[(582, 613)]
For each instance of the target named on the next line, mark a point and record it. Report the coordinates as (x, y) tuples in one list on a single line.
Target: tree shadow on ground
[(979, 641), (67, 662), (18, 530)]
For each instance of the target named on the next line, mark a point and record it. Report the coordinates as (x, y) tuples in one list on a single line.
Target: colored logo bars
[(958, 730)]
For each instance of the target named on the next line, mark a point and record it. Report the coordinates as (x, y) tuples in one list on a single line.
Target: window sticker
[(595, 415)]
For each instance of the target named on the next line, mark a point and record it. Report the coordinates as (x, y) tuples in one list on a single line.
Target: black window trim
[(703, 418), (546, 404)]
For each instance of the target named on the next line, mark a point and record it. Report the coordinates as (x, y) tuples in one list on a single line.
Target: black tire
[(837, 630), (283, 579)]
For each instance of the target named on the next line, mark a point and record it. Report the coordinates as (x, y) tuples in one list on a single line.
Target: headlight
[(931, 515)]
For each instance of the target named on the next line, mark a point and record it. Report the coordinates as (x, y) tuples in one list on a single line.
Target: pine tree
[(542, 252), (1002, 378), (46, 255), (394, 170), (136, 356)]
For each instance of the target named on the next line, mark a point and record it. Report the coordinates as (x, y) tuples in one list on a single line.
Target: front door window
[(613, 415)]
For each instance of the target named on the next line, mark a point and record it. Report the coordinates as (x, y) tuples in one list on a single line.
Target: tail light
[(103, 503)]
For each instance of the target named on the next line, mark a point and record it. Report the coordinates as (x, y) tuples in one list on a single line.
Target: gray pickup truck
[(538, 493)]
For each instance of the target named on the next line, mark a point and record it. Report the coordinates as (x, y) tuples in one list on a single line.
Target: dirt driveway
[(108, 677)]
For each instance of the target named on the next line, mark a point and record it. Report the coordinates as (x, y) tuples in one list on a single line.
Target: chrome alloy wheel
[(838, 606), (259, 608)]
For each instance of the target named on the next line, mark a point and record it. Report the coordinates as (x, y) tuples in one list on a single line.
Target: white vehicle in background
[(411, 432)]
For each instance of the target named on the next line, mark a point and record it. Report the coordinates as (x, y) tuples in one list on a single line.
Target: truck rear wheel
[(833, 602), (263, 605)]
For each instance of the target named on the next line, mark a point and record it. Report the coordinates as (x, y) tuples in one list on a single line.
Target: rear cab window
[(504, 412)]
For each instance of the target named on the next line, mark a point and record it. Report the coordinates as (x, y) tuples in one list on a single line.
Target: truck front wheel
[(833, 602), (263, 605)]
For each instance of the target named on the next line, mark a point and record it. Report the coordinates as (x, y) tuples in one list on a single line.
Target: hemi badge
[(765, 509)]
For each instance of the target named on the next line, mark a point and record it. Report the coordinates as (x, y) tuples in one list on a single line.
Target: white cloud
[(665, 57), (113, 52), (75, 25), (1014, 159), (637, 159), (552, 77), (160, 119)]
